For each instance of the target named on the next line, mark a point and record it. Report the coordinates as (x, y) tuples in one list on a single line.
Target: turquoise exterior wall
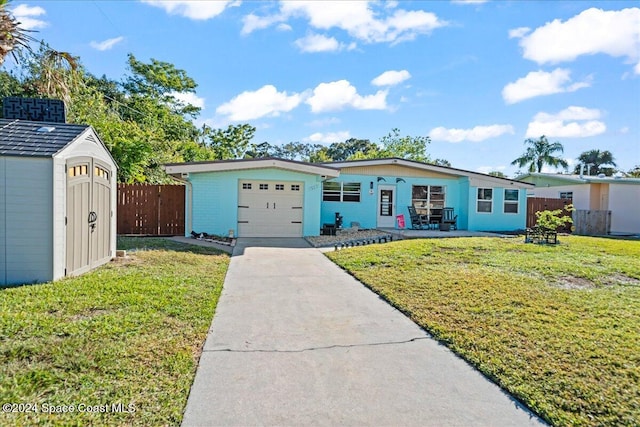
[(458, 195), (497, 220), (214, 199), (365, 211)]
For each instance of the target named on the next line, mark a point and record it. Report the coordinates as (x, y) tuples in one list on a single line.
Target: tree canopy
[(595, 162), (540, 152)]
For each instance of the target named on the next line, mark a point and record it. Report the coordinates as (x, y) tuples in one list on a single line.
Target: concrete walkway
[(297, 341)]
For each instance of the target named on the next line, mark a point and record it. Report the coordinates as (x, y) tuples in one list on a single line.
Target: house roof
[(177, 169), (36, 139), (556, 179), (428, 167)]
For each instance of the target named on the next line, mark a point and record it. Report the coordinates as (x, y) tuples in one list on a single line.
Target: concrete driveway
[(297, 341)]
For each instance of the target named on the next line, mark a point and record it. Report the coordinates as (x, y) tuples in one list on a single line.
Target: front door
[(386, 206)]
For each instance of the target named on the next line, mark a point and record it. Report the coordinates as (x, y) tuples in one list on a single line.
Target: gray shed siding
[(26, 219)]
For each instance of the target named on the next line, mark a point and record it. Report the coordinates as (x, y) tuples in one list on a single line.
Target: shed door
[(270, 208), (88, 219)]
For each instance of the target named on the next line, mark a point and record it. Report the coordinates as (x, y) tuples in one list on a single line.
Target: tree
[(405, 147), (541, 152), (441, 162), (12, 37), (341, 151), (598, 162), (230, 143), (635, 172)]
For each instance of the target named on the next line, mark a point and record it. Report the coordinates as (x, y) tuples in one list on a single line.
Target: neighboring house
[(282, 198), (620, 196), (57, 201)]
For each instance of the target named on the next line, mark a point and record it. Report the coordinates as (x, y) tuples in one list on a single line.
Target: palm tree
[(12, 37), (539, 153), (597, 159)]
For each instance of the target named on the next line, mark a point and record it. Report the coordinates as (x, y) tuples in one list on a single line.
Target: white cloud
[(593, 31), (572, 122), (264, 102), (320, 43), (357, 18), (340, 94), (329, 137), (252, 22), (106, 44), (391, 78), (476, 134), (284, 27), (518, 33), (196, 10), (189, 98), (25, 15), (538, 83)]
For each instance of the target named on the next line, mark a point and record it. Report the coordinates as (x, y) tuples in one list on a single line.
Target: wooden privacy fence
[(152, 210), (592, 223), (536, 204)]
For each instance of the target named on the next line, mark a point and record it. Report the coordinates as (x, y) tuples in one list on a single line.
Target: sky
[(477, 77)]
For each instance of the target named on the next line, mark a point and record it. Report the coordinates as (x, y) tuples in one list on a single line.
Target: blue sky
[(478, 77)]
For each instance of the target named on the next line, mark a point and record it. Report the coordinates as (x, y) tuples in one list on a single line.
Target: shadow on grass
[(134, 244)]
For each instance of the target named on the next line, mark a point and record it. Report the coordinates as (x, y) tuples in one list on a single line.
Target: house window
[(295, 187), (264, 186), (511, 197), (485, 200), (341, 191), (279, 187), (566, 195), (246, 186), (350, 191), (428, 199)]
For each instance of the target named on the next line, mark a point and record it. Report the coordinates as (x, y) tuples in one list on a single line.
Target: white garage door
[(270, 208)]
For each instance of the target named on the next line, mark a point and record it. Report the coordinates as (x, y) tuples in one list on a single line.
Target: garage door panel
[(270, 208)]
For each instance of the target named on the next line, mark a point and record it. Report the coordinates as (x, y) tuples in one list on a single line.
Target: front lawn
[(556, 326), (125, 337)]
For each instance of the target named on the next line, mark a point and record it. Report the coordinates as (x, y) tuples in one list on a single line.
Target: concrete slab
[(297, 341)]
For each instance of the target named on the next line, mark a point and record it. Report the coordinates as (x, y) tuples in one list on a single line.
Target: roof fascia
[(427, 167), (254, 164)]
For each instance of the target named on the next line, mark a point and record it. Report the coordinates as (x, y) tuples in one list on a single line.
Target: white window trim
[(342, 192), (493, 192), (511, 202)]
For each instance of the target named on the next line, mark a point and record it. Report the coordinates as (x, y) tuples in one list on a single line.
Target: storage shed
[(57, 201)]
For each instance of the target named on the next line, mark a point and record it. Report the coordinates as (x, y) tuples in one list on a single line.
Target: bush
[(552, 220)]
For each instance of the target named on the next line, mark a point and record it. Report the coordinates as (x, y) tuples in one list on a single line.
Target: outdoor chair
[(418, 222), (448, 217)]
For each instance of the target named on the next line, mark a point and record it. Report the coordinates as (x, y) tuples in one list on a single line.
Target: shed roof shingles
[(21, 138)]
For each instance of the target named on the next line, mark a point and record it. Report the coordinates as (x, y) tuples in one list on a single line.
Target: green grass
[(556, 326), (130, 332)]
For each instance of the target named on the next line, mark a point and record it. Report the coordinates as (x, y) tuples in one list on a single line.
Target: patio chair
[(418, 222), (449, 218)]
